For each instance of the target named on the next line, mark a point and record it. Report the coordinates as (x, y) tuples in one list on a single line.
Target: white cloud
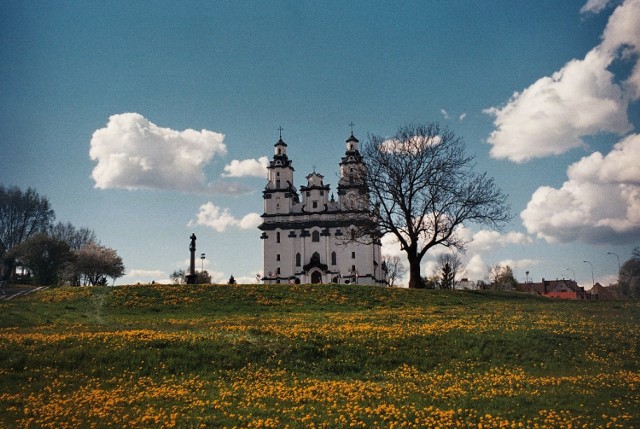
[(520, 263), (220, 219), (444, 113), (486, 239), (554, 114), (476, 268), (599, 203), (134, 153), (462, 116), (410, 145), (144, 276), (146, 273), (594, 6), (247, 167)]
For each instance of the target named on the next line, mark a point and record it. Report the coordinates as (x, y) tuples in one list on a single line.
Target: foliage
[(315, 356), (450, 264), (178, 277), (502, 277), (203, 277), (396, 271), (423, 187), (95, 263), (45, 256), (22, 215), (629, 276)]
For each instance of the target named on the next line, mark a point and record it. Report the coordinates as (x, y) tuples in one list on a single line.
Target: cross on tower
[(351, 124), (280, 129)]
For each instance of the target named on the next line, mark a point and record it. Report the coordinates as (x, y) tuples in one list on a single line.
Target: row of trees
[(52, 253)]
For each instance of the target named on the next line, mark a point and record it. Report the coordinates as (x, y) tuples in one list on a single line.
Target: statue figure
[(191, 277), (192, 246)]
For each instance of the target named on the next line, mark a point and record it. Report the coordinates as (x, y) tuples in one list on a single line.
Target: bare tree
[(22, 215), (395, 269), (422, 187), (178, 277), (76, 238), (450, 265), (502, 278)]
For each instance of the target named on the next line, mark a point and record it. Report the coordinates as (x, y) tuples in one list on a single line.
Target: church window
[(333, 258), (353, 255), (277, 183), (278, 270), (321, 193), (298, 260), (279, 151), (315, 236), (278, 257), (277, 237), (315, 204)]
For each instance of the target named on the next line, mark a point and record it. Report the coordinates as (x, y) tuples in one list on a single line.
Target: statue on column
[(191, 277)]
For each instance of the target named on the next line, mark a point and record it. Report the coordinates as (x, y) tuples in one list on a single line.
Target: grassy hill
[(315, 356)]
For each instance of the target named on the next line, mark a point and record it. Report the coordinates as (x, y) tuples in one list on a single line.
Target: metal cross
[(351, 125), (280, 129)]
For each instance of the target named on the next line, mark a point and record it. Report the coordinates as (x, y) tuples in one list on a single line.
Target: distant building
[(604, 293), (559, 288), (307, 235), (466, 284)]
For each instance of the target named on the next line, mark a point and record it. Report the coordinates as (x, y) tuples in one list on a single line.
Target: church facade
[(309, 236)]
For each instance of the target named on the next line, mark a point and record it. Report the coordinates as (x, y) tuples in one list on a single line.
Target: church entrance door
[(316, 277)]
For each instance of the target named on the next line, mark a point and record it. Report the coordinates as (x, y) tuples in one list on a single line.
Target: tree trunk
[(415, 279)]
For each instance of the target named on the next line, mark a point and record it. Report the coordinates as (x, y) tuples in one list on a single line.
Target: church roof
[(352, 139)]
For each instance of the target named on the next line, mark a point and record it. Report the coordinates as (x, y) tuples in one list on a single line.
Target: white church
[(307, 234)]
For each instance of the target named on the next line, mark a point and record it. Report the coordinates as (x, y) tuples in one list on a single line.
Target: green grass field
[(315, 356)]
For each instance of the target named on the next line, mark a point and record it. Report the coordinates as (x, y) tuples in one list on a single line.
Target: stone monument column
[(191, 277)]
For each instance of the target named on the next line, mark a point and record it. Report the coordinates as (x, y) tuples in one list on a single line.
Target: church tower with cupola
[(352, 190), (280, 194), (307, 235)]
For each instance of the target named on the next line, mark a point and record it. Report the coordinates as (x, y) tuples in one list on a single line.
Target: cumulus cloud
[(599, 203), (554, 114), (220, 219), (144, 276), (247, 167), (486, 239), (134, 153), (594, 6)]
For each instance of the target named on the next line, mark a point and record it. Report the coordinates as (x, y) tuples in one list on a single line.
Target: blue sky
[(544, 93)]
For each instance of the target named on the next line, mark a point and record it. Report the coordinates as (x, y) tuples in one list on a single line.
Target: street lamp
[(202, 266), (618, 257), (574, 274), (593, 282)]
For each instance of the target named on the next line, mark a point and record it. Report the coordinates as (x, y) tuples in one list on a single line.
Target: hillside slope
[(315, 356)]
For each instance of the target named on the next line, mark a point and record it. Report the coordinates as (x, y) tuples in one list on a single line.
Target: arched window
[(277, 237), (298, 260), (333, 258), (315, 236)]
